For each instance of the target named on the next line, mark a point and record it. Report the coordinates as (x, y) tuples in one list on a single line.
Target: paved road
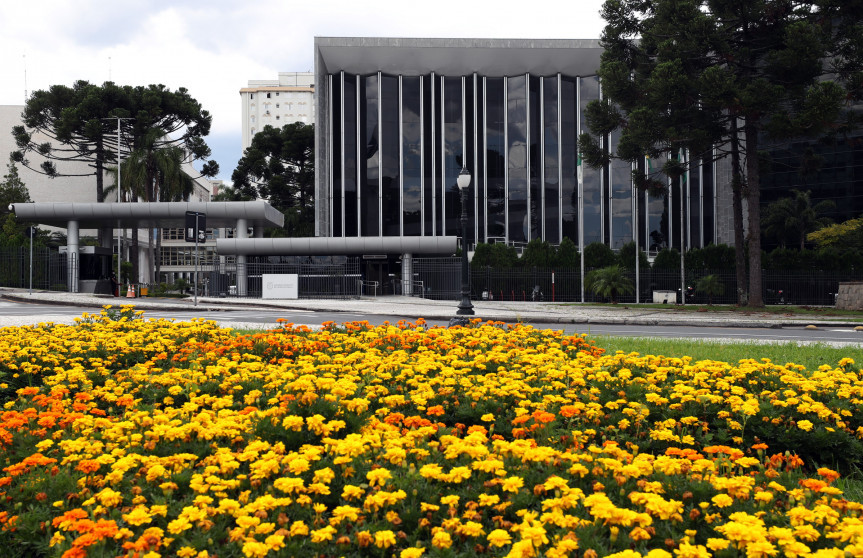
[(267, 317)]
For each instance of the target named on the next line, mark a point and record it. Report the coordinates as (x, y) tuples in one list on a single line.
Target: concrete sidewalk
[(411, 307)]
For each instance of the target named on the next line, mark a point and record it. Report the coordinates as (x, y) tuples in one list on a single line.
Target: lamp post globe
[(465, 308)]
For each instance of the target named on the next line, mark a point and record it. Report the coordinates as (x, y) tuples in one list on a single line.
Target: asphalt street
[(20, 312)]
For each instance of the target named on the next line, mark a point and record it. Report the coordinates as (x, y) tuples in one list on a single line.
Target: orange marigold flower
[(569, 411), (435, 411), (829, 474)]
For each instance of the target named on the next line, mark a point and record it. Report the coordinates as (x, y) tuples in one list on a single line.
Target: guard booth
[(94, 267)]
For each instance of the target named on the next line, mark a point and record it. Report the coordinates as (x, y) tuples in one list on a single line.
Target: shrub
[(598, 255), (626, 257), (667, 258)]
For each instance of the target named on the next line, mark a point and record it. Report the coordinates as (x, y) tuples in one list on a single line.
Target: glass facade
[(398, 143)]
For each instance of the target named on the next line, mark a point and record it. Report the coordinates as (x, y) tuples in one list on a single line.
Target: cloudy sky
[(213, 48)]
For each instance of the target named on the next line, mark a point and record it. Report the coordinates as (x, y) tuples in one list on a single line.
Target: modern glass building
[(399, 118)]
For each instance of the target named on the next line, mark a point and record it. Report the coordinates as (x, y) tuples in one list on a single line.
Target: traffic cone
[(130, 292)]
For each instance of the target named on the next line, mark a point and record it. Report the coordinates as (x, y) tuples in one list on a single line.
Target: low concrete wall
[(850, 296)]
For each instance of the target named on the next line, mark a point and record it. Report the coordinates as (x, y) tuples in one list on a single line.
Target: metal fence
[(316, 280), (50, 269), (442, 277)]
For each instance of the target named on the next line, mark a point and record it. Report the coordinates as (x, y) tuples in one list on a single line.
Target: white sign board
[(284, 285)]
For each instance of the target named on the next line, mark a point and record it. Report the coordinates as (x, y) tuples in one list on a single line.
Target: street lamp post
[(465, 308)]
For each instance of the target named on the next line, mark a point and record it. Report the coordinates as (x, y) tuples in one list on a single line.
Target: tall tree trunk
[(737, 210), (753, 204)]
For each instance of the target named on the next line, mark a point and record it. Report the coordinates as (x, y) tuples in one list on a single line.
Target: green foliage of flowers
[(151, 438)]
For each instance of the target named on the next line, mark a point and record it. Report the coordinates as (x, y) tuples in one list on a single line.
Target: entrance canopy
[(351, 246), (142, 215)]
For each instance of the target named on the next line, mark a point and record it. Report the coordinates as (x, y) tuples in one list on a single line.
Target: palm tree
[(790, 219), (153, 172), (711, 286), (609, 282)]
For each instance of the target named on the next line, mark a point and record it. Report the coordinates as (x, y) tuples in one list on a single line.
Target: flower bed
[(123, 437)]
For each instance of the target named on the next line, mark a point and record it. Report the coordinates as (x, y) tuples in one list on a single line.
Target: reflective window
[(695, 201), (621, 198), (351, 148), (412, 157), (517, 155), (657, 208), (428, 156), (370, 194), (569, 158), (477, 161), (389, 140), (495, 186), (589, 91), (336, 146), (453, 154), (550, 130), (535, 209), (709, 206)]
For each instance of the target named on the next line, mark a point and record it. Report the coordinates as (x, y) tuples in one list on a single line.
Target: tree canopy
[(80, 125), (685, 79), (12, 190), (279, 166), (788, 220)]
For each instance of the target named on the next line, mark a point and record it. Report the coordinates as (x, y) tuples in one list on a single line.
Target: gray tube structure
[(342, 246)]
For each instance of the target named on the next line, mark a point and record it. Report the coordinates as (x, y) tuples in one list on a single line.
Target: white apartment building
[(291, 98)]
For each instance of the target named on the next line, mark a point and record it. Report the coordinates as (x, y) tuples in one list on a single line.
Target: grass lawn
[(811, 355), (787, 310)]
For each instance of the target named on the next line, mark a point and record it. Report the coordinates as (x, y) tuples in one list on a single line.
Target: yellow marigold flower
[(324, 534), (471, 529), (412, 552), (298, 465), (686, 550), (761, 549), (717, 544), (722, 500), (763, 496), (109, 498), (488, 417), (534, 533), (255, 549), (179, 525), (378, 477), (488, 499), (275, 542), (385, 539), (441, 539), (351, 492), (804, 425), (498, 538), (299, 529), (138, 516), (512, 484), (450, 500), (186, 552)]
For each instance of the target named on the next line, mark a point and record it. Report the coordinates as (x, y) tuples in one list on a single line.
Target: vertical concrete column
[(242, 274), (72, 258), (407, 274)]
